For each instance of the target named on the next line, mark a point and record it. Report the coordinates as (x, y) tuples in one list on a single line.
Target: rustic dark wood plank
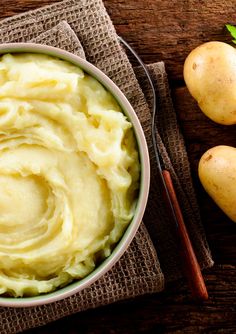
[(167, 30), (12, 7), (201, 134), (169, 312)]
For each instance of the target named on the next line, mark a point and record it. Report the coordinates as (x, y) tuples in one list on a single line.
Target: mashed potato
[(69, 173)]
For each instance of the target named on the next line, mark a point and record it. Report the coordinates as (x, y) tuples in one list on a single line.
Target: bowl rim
[(132, 228)]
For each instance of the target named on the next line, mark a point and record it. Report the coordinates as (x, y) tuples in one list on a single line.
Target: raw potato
[(210, 75), (217, 172)]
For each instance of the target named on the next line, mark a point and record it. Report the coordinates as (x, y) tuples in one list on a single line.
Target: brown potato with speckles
[(210, 75), (217, 172)]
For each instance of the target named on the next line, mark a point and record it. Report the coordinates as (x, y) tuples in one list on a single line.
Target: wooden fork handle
[(190, 264)]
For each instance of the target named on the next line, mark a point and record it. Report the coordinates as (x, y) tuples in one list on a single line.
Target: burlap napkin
[(84, 28)]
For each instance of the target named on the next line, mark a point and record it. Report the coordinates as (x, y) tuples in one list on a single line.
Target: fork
[(190, 266)]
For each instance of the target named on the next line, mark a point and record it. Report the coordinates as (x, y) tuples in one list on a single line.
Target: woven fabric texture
[(84, 28)]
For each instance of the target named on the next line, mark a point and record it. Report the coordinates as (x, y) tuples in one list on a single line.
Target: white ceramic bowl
[(129, 234)]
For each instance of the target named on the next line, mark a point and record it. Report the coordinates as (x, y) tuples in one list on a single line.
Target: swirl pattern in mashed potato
[(69, 173)]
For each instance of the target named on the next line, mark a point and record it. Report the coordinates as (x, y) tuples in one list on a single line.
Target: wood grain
[(189, 261), (168, 312), (168, 30)]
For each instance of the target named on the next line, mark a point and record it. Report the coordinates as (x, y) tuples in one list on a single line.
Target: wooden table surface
[(167, 30)]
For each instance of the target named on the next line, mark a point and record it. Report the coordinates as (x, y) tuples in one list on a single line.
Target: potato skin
[(210, 75), (217, 172)]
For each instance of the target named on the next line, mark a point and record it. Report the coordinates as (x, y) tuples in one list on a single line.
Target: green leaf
[(232, 30)]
